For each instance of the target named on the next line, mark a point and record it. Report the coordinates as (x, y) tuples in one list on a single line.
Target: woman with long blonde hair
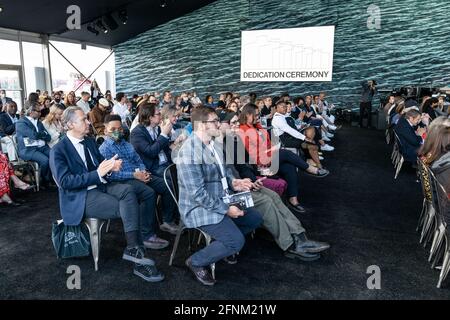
[(70, 99), (53, 124)]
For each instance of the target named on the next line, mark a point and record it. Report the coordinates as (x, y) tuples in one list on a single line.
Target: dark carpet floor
[(367, 216)]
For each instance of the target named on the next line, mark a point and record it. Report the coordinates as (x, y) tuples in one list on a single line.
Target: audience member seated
[(146, 186), (8, 121), (32, 141), (152, 142), (98, 114), (83, 103), (430, 107), (80, 171), (286, 229), (6, 175), (70, 100), (53, 124), (203, 181), (410, 136), (3, 99), (259, 147), (121, 107), (284, 128), (435, 151)]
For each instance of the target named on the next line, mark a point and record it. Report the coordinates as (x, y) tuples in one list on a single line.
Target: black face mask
[(57, 100)]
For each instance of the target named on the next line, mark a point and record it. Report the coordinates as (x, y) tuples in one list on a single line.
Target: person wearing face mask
[(134, 173), (3, 99)]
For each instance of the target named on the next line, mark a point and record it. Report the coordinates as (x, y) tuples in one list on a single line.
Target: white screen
[(296, 54)]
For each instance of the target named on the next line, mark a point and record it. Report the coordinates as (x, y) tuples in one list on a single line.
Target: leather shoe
[(292, 253), (296, 208), (201, 273), (309, 246)]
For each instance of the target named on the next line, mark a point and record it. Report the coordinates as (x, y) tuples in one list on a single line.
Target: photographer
[(365, 106)]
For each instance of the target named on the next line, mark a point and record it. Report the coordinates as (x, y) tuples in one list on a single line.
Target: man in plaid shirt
[(134, 173), (201, 179)]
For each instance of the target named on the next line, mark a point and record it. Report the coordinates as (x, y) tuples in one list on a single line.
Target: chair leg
[(445, 268), (108, 225), (427, 224), (440, 250), (95, 230), (422, 214), (437, 239), (399, 167), (175, 245)]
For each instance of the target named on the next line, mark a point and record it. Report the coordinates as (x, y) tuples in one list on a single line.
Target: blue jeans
[(229, 237)]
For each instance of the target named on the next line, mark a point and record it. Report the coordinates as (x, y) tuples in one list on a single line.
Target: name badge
[(224, 183), (162, 157)]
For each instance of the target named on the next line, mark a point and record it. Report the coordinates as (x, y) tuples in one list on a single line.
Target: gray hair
[(413, 113), (69, 116)]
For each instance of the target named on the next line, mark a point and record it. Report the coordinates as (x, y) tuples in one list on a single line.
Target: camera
[(242, 200)]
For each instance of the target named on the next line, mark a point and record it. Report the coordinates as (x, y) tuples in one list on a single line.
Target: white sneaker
[(321, 158), (332, 127), (325, 138), (169, 227), (326, 147), (329, 135)]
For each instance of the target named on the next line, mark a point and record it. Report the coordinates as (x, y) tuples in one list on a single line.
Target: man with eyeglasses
[(204, 180), (32, 141)]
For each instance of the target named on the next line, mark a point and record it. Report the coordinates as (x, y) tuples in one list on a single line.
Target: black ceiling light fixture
[(123, 16), (162, 3), (92, 29), (101, 26), (109, 22)]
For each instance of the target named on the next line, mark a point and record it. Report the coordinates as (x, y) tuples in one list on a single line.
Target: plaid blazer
[(200, 186)]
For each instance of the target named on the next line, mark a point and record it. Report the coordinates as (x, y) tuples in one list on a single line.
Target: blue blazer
[(410, 141), (7, 127), (24, 128), (147, 148), (72, 177)]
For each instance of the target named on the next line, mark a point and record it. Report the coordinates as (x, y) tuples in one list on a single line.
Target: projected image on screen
[(297, 54)]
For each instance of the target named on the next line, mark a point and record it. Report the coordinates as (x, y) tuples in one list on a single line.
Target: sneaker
[(303, 244), (201, 273), (332, 127), (156, 243), (169, 227), (329, 135), (326, 147), (137, 255), (325, 138), (321, 158), (231, 259), (321, 172), (148, 273)]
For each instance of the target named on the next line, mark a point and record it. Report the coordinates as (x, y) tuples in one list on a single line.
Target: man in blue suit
[(410, 137), (32, 141), (80, 171), (150, 141)]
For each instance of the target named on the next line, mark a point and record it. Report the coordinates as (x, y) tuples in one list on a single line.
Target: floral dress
[(6, 171)]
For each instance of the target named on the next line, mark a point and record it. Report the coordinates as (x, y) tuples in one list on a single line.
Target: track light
[(92, 29), (109, 22), (100, 25), (123, 16), (162, 3)]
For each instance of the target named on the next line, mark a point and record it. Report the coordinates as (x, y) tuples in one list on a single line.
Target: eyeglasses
[(234, 122), (216, 121)]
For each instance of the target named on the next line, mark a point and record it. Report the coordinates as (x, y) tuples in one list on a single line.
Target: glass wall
[(66, 78)]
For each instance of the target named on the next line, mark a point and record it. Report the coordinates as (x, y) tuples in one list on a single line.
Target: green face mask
[(117, 135)]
